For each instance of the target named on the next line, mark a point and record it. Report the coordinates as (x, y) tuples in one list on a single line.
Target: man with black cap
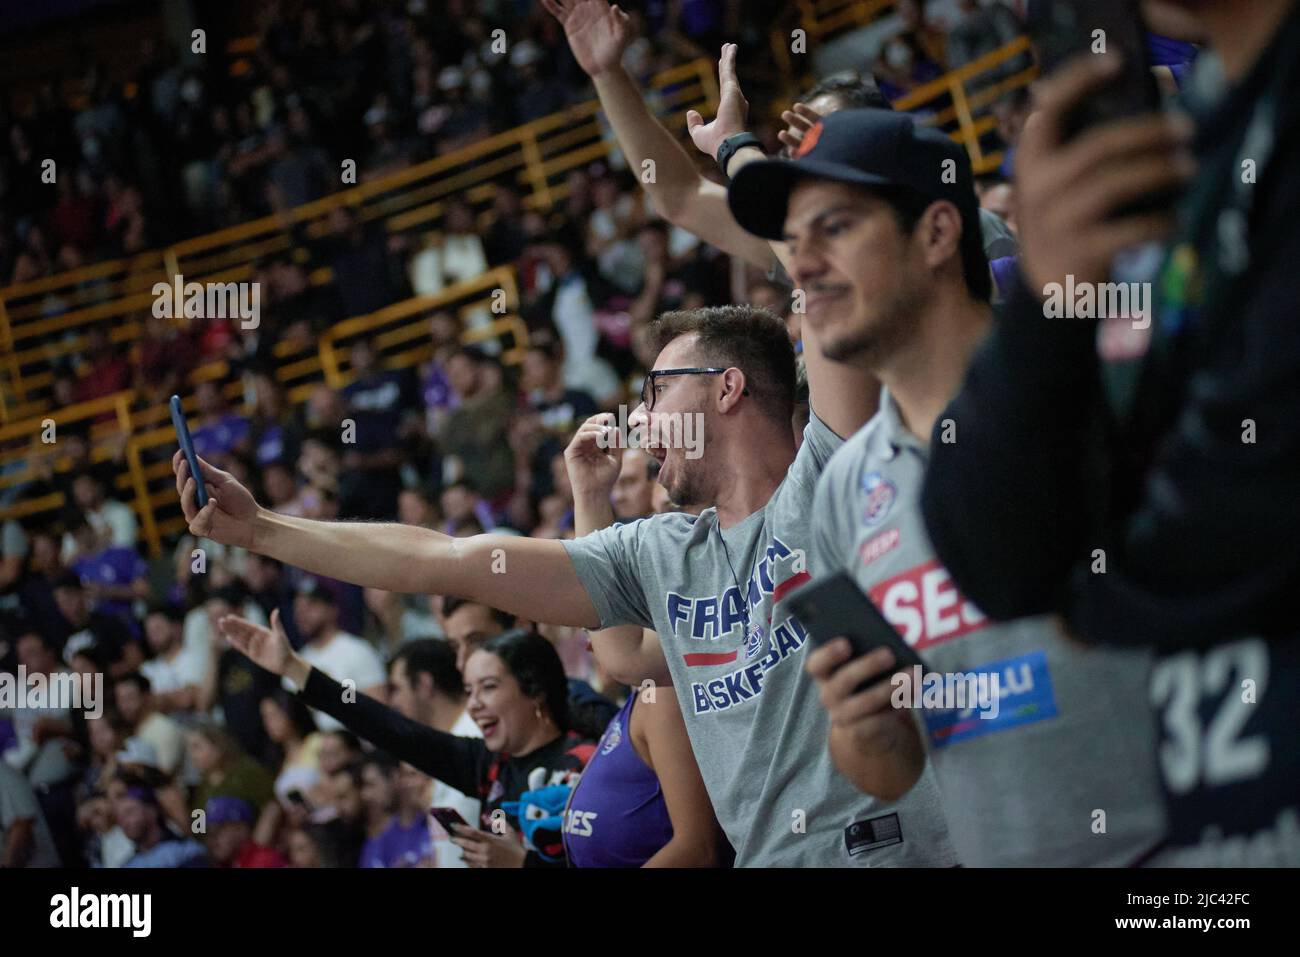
[(339, 654), (879, 216), (85, 629), (713, 587)]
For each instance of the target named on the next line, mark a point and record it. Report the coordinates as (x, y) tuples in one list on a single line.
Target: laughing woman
[(526, 764)]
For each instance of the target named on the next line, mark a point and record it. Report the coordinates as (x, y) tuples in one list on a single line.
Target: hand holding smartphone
[(446, 817), (187, 448), (835, 607)]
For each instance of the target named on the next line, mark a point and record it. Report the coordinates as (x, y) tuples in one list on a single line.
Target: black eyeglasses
[(648, 386)]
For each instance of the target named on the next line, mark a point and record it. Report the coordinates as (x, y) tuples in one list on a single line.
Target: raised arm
[(629, 653), (598, 34), (529, 577)]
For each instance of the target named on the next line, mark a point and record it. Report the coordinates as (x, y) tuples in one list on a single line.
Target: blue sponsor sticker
[(1024, 696), (880, 494)]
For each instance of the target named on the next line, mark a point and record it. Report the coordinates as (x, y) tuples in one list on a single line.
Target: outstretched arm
[(451, 759), (529, 577)]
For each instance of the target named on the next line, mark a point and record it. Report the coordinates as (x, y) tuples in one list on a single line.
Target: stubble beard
[(869, 343)]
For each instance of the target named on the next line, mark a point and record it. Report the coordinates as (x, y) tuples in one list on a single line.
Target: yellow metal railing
[(399, 333), (967, 111), (966, 105), (46, 318)]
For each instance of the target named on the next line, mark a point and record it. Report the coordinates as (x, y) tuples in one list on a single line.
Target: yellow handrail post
[(123, 409), (536, 168), (967, 123), (171, 263), (329, 362)]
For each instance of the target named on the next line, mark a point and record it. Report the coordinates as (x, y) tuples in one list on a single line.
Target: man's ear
[(940, 231), (733, 386), (424, 684)]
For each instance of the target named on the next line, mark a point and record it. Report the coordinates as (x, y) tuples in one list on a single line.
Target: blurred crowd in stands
[(464, 443)]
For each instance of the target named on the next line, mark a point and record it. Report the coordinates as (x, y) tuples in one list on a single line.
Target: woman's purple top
[(617, 816)]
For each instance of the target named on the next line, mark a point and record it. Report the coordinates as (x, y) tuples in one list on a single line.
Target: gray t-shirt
[(755, 722), (1070, 735)]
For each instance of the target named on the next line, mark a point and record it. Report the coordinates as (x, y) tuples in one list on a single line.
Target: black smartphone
[(187, 447), (1060, 30), (835, 606), (447, 816)]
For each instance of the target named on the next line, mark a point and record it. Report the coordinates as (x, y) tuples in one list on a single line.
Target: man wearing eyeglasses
[(713, 588)]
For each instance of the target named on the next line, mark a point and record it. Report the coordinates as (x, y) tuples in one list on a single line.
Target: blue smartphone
[(187, 446)]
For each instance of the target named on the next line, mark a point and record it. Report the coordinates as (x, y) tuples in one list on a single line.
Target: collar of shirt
[(889, 435)]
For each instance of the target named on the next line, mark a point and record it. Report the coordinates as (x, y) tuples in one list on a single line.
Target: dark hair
[(588, 719), (143, 778), (68, 579), (755, 341), (119, 724), (435, 658), (450, 603), (233, 593), (534, 663), (547, 343), (382, 760), (466, 483), (299, 715), (853, 90), (472, 353), (93, 475), (335, 843), (908, 207), (167, 609), (137, 679)]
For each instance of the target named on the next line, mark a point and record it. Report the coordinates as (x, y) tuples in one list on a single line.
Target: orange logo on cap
[(809, 140)]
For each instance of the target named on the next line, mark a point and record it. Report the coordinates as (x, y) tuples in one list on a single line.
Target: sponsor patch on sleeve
[(1023, 692)]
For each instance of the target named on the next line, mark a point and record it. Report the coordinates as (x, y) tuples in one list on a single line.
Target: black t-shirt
[(104, 637), (565, 414), (241, 686), (559, 419)]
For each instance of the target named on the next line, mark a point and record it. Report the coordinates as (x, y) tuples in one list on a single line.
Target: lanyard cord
[(744, 593)]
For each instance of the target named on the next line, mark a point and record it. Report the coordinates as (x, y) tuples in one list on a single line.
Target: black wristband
[(731, 144)]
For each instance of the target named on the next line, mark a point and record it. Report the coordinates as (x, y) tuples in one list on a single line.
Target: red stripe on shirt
[(791, 583), (705, 658)]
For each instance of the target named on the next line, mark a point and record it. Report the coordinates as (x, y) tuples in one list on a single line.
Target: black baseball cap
[(877, 149)]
